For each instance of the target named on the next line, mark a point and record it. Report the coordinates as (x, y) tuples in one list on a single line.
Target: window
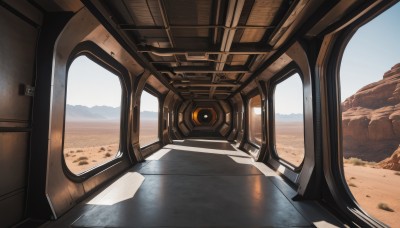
[(148, 132), (289, 120), (370, 106), (255, 132), (92, 116)]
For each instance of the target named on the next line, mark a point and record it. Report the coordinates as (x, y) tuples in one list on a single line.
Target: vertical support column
[(38, 205), (138, 86)]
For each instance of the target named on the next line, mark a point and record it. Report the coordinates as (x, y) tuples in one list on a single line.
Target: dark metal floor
[(197, 183)]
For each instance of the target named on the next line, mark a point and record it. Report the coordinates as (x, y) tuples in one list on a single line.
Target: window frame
[(274, 82), (103, 59), (150, 90), (332, 124), (252, 94)]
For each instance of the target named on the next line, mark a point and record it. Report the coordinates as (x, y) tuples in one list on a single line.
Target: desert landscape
[(371, 137), (148, 132), (375, 189), (92, 135), (289, 140), (89, 144)]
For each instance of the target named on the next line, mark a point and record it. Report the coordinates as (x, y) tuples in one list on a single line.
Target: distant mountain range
[(83, 113), (294, 117)]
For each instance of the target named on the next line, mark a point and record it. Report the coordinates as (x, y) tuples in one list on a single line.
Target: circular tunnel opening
[(204, 116)]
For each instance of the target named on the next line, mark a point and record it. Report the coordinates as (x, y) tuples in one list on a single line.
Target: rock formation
[(393, 162), (371, 119)]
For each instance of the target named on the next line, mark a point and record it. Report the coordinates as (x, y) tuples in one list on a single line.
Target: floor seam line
[(290, 201), (247, 175)]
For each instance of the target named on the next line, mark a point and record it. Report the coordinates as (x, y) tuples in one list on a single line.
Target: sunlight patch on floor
[(259, 165), (122, 189), (158, 155), (323, 224), (205, 150)]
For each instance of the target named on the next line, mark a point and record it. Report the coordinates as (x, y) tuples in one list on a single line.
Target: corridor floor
[(197, 183)]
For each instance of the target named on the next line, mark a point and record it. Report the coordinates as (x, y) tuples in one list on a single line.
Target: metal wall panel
[(17, 51), (13, 161), (17, 60), (12, 209)]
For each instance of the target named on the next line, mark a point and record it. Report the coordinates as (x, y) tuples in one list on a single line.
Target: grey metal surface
[(205, 192), (179, 162), (13, 178), (13, 161), (17, 52), (180, 200)]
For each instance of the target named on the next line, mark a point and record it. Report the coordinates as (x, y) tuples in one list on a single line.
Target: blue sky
[(289, 96), (90, 84), (148, 102), (372, 51)]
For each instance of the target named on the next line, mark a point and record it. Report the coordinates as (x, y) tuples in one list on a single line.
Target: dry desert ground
[(89, 144)]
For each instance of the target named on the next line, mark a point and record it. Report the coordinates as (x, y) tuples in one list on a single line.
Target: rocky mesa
[(371, 119)]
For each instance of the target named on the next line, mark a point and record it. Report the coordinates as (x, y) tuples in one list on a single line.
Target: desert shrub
[(109, 150), (385, 207), (72, 151), (356, 161), (107, 155), (79, 151), (66, 155), (352, 185), (397, 173), (102, 148), (352, 178), (83, 162), (81, 159)]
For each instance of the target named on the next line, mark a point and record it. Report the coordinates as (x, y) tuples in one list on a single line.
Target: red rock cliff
[(371, 119)]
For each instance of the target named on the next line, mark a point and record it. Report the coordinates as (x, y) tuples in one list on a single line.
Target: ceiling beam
[(203, 91), (236, 49), (193, 61), (166, 25), (215, 41), (235, 8), (203, 69), (205, 85), (132, 27)]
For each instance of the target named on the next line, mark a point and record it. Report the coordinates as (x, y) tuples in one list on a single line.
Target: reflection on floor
[(197, 183)]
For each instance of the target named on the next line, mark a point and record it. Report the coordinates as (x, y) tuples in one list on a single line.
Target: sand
[(290, 142), (371, 186), (148, 132), (90, 144)]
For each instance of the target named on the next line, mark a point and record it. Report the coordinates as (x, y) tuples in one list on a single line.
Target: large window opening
[(370, 96), (255, 131), (289, 120), (149, 118), (92, 116)]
